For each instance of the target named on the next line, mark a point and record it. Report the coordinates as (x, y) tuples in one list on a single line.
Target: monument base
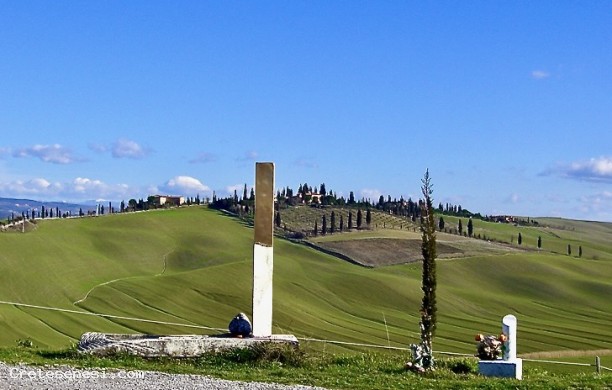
[(502, 368), (106, 344)]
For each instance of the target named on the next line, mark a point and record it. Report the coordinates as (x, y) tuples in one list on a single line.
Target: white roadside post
[(263, 250), (509, 329), (509, 366)]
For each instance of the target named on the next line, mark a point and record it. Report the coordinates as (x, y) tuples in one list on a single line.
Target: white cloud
[(601, 167), (596, 206), (540, 74), (4, 152), (555, 198), (122, 148), (153, 190), (595, 169), (38, 186), (514, 198), (305, 163), (185, 185), (56, 154), (96, 189), (80, 189), (99, 148), (236, 187), (372, 194), (125, 148), (203, 158), (83, 185), (249, 156)]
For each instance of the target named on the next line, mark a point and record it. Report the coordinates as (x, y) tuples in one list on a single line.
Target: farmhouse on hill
[(309, 197), (162, 200)]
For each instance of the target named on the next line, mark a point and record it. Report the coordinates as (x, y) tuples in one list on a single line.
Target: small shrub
[(70, 353), (297, 235), (267, 353), (281, 353), (459, 365), (25, 343)]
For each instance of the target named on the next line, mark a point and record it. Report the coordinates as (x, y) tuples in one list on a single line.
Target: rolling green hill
[(302, 218), (193, 266)]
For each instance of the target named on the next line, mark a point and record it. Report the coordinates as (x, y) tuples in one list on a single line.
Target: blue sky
[(508, 104)]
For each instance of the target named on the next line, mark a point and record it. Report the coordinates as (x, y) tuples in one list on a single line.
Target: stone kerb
[(509, 366), (176, 346)]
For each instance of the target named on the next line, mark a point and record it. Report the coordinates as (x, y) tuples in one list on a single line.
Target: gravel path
[(13, 377)]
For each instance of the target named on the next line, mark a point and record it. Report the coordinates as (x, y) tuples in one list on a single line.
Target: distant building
[(161, 200), (502, 218), (316, 198), (310, 197)]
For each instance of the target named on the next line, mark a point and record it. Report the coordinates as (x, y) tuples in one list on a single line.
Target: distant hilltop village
[(15, 210)]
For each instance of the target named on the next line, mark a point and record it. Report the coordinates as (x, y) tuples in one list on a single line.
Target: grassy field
[(556, 234), (193, 266)]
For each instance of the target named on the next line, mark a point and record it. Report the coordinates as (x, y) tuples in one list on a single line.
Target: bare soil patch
[(377, 252)]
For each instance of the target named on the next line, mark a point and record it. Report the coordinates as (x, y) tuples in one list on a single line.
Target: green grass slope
[(593, 237), (556, 233), (193, 266)]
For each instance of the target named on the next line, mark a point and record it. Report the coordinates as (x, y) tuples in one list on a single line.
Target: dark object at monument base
[(240, 326)]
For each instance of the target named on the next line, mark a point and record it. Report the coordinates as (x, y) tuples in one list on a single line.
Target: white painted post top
[(509, 319)]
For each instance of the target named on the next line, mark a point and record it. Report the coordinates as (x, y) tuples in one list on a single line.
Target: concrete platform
[(502, 368), (183, 346)]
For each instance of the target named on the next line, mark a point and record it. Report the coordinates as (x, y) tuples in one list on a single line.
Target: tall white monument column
[(197, 345), (263, 249)]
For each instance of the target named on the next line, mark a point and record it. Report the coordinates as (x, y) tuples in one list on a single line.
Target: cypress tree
[(277, 219), (429, 282), (351, 198), (324, 225)]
